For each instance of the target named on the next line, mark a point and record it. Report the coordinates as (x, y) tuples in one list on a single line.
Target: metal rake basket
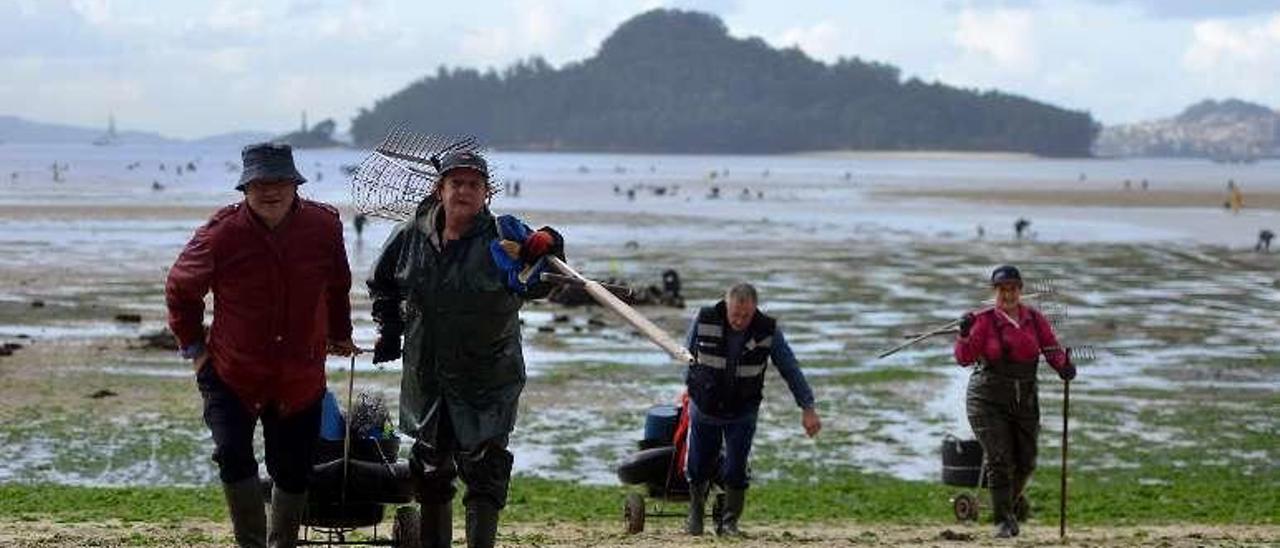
[(402, 171)]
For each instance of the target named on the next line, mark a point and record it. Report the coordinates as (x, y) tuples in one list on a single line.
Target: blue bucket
[(660, 423)]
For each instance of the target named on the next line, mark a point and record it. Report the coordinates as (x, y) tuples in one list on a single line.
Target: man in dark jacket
[(450, 282), (278, 271), (733, 341)]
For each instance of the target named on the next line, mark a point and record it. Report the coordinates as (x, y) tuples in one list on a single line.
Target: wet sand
[(1064, 197), (207, 534)]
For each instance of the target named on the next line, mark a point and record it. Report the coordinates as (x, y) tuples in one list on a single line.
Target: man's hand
[(387, 348), (812, 424), (199, 361), (966, 323), (542, 242), (343, 348)]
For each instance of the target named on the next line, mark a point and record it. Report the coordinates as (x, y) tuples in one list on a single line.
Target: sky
[(195, 68)]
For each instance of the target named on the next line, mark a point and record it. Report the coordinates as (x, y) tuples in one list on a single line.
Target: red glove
[(544, 241)]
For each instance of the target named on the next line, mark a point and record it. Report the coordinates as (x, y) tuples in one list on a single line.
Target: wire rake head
[(403, 170), (1083, 353)]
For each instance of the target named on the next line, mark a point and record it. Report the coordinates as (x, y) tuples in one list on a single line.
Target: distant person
[(732, 342), (1264, 241), (715, 193), (1145, 184), (358, 222), (278, 271), (1020, 226), (1005, 342), (982, 232), (1128, 185), (515, 189), (1235, 198)]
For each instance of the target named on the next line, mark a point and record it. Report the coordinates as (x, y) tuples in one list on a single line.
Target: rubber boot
[(482, 524), (1002, 512), (734, 501), (286, 517), (436, 525), (697, 508), (248, 514)]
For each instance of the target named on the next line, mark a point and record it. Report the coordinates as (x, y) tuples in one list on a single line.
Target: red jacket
[(278, 296), (1024, 341)]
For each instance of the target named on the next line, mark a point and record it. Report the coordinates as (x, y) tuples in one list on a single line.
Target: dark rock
[(129, 318), (159, 340), (104, 393), (952, 535), (560, 318), (11, 346), (546, 329), (37, 303)]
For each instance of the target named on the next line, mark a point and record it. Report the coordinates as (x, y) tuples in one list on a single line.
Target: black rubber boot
[(248, 512), (436, 525), (1002, 512), (482, 524), (697, 508), (734, 501), (286, 517)]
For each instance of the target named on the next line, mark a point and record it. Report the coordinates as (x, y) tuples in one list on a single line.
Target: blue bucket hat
[(269, 161)]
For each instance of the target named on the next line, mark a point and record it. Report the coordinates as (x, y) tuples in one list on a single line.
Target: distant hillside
[(18, 130), (1230, 130), (676, 81)]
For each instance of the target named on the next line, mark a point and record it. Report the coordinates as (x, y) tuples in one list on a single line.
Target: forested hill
[(675, 81)]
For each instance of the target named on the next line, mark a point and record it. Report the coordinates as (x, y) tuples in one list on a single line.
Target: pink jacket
[(1024, 340)]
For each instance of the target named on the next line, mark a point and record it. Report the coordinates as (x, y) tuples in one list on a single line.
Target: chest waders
[(1004, 411)]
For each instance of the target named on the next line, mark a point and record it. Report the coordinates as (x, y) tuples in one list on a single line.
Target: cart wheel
[(965, 506), (717, 510), (633, 513), (1022, 509), (407, 529)]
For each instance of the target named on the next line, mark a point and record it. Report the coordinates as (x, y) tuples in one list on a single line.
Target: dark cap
[(268, 161), (460, 160), (1006, 273)]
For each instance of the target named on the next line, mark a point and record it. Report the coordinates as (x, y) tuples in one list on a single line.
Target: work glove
[(1068, 370), (387, 348), (540, 243), (966, 323)]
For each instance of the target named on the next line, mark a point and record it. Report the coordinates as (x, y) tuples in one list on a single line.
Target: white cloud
[(1240, 58), (823, 40), (97, 12), (1000, 36)]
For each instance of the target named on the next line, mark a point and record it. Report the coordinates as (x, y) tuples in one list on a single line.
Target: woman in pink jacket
[(1006, 341)]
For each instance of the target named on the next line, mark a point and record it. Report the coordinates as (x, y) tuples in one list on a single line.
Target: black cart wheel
[(965, 507), (717, 510), (1021, 509), (633, 513), (407, 529)]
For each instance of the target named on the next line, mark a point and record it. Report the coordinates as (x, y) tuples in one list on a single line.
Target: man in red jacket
[(277, 267)]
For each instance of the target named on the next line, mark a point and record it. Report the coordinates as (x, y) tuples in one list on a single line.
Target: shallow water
[(846, 274)]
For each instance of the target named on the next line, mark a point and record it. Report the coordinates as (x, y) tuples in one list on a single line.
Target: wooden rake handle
[(612, 302)]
